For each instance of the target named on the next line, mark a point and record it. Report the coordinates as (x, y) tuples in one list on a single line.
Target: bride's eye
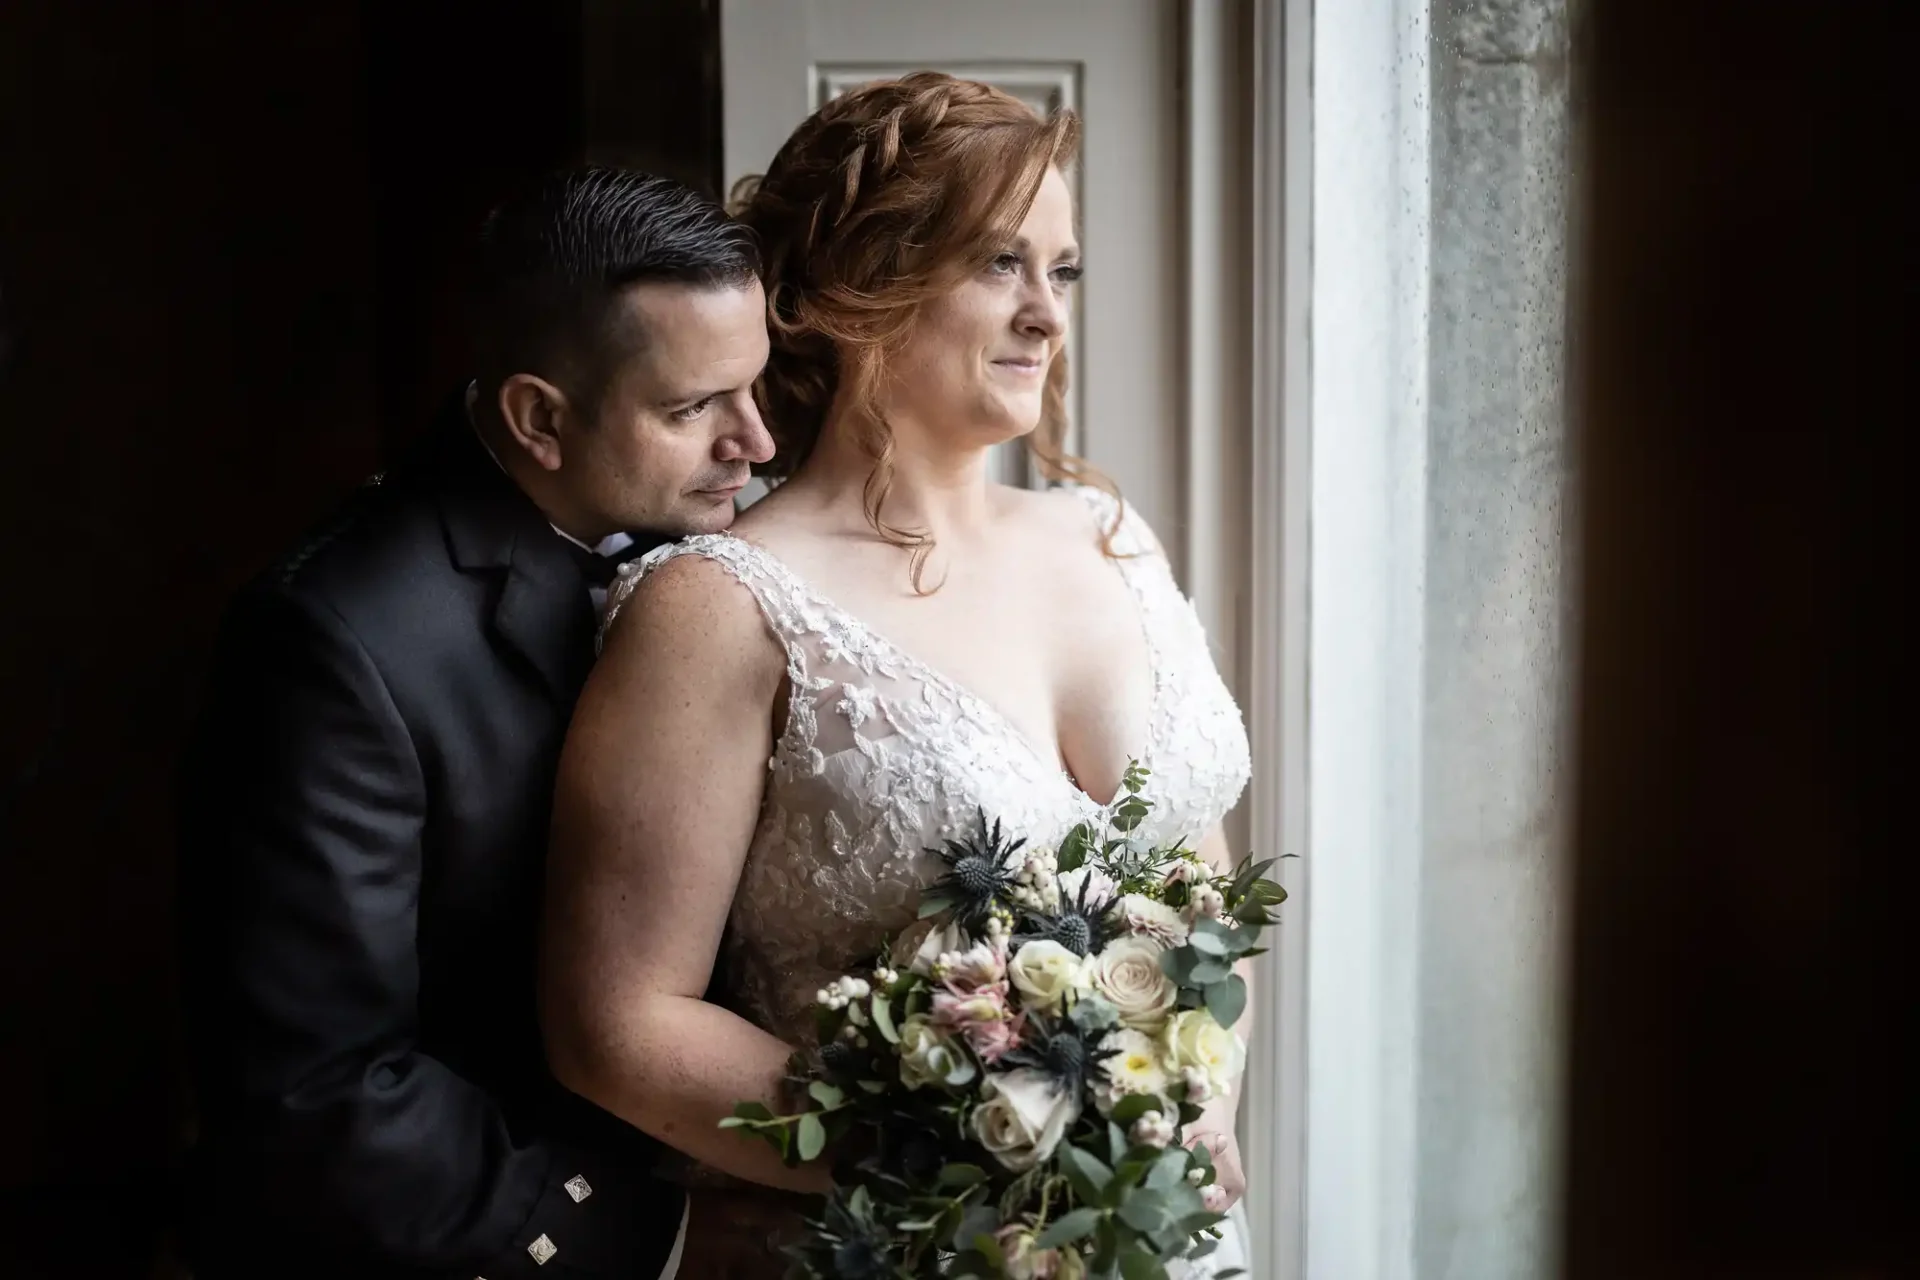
[(1067, 273), (1005, 264)]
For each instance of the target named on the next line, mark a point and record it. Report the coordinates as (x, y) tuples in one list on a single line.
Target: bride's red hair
[(886, 197)]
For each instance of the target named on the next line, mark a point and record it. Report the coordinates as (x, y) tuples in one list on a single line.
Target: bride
[(785, 717)]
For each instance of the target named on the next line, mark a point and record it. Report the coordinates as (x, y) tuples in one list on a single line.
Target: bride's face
[(977, 361)]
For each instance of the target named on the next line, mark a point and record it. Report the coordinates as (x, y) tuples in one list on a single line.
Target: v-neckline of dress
[(964, 694)]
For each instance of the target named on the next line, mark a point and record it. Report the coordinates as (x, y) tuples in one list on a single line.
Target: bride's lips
[(1023, 366)]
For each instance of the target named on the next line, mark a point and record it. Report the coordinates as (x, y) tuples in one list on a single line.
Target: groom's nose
[(746, 438)]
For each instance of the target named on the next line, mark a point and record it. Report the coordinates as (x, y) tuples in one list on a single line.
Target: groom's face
[(671, 440)]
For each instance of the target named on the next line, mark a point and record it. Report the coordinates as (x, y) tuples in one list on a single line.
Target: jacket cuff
[(593, 1219)]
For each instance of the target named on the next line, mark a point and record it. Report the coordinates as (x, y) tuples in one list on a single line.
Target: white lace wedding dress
[(884, 757)]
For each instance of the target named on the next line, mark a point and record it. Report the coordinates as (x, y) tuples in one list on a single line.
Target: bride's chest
[(1060, 654)]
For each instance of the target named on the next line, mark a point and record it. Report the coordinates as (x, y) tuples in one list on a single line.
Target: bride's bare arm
[(655, 806)]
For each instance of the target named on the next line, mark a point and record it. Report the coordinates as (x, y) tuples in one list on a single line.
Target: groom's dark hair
[(553, 259)]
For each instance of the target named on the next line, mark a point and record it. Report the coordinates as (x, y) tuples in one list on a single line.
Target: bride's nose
[(1043, 312)]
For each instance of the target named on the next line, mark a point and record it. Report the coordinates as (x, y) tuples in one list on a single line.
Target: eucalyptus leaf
[(883, 1019), (825, 1094), (1147, 1211), (933, 904), (1169, 1171), (1077, 1225), (957, 1176), (1207, 974), (1106, 1247), (1195, 1223), (1072, 854), (1087, 1174), (1208, 944), (1226, 1001), (813, 1136), (1132, 1107), (1138, 1264), (1178, 963), (977, 1222)]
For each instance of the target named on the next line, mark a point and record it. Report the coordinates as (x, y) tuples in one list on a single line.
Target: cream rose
[(929, 1056), (1128, 974), (1046, 973), (1022, 1117), (1194, 1041)]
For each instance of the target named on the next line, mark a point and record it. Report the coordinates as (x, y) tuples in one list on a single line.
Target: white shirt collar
[(609, 545)]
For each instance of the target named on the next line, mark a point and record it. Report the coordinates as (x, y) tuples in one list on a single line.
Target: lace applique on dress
[(883, 757)]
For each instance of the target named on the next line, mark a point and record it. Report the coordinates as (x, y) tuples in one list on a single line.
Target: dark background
[(227, 233)]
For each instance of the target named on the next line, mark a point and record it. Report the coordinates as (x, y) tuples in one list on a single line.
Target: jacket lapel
[(544, 613), (540, 612)]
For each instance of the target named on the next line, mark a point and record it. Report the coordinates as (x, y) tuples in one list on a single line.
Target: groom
[(364, 809)]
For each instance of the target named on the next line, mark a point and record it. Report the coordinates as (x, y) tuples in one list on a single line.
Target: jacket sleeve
[(302, 807)]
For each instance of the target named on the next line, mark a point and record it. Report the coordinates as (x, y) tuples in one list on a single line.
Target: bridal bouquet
[(1008, 1094)]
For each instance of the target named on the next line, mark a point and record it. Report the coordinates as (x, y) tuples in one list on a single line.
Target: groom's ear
[(534, 411)]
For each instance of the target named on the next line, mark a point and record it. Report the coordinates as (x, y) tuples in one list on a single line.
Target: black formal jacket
[(364, 815)]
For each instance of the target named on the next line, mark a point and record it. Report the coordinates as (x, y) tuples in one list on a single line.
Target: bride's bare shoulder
[(692, 607), (1079, 513)]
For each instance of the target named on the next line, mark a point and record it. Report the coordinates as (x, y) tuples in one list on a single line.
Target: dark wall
[(227, 236)]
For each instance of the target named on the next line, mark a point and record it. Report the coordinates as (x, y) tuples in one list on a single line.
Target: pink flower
[(1214, 1197), (979, 966), (983, 1017)]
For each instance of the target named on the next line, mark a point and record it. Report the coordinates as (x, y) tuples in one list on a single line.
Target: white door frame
[(1276, 155)]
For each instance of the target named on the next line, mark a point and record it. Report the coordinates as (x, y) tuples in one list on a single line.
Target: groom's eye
[(692, 412)]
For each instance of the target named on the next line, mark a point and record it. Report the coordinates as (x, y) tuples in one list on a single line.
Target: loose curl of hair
[(886, 198)]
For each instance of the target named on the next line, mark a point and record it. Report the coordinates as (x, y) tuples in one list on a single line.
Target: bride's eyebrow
[(1021, 245)]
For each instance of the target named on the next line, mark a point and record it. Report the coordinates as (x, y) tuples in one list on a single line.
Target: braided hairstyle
[(891, 195)]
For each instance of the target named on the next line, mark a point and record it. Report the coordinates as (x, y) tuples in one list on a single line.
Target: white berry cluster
[(1153, 1129), (842, 992), (1037, 887)]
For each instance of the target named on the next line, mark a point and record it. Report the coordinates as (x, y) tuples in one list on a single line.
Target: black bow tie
[(602, 570)]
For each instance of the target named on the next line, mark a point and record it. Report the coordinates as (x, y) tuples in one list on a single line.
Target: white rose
[(1194, 1041), (928, 1056), (1022, 1117), (1046, 973), (1128, 974), (938, 943), (1156, 920)]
